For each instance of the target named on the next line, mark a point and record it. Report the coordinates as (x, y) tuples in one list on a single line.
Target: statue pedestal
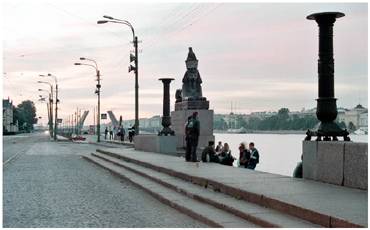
[(155, 143), (205, 117)]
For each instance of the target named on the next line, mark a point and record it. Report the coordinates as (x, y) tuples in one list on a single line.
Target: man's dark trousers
[(188, 149), (193, 147)]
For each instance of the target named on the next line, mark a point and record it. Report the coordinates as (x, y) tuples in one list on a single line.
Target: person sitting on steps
[(209, 154)]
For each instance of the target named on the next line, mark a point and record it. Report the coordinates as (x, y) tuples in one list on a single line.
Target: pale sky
[(257, 56)]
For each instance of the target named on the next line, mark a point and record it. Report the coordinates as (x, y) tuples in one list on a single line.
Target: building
[(9, 126), (352, 117)]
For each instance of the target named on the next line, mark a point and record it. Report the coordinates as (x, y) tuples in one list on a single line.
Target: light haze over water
[(279, 153)]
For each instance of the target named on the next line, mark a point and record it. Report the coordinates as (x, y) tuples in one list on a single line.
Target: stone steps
[(195, 209), (281, 203), (256, 214)]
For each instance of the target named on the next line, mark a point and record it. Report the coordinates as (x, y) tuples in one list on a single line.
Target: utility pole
[(98, 86), (56, 113), (136, 89)]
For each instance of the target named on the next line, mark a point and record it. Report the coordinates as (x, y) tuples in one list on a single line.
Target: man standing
[(187, 140), (192, 135), (255, 157)]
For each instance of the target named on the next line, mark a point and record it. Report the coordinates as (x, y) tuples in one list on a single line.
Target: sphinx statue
[(191, 88)]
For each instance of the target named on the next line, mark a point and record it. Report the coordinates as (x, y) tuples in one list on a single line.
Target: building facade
[(9, 126)]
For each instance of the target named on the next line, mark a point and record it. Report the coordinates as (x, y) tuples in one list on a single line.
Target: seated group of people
[(248, 158), (222, 154)]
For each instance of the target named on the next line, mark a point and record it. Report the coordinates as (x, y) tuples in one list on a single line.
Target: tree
[(25, 113)]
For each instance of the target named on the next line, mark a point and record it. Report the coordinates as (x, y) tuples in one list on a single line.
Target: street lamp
[(97, 91), (50, 109), (131, 68), (56, 103)]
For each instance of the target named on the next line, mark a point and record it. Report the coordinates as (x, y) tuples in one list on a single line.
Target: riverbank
[(265, 132)]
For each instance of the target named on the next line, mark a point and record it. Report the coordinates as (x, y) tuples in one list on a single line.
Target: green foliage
[(219, 123), (25, 113), (280, 121)]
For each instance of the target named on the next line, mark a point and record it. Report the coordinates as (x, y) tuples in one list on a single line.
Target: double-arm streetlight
[(131, 68), (56, 103), (50, 109), (98, 86)]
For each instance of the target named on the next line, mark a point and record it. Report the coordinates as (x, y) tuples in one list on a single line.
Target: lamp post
[(131, 68), (50, 106), (56, 103), (97, 91), (326, 103), (50, 110)]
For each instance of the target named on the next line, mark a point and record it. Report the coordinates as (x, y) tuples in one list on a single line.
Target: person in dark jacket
[(244, 155), (122, 132), (225, 156), (219, 147), (255, 157), (209, 154), (192, 130)]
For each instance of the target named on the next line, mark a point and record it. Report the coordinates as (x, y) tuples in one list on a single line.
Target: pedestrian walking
[(105, 133), (110, 133), (255, 157), (192, 135), (131, 133), (122, 131)]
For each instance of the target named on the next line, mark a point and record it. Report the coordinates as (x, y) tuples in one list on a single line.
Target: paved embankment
[(50, 185), (323, 204)]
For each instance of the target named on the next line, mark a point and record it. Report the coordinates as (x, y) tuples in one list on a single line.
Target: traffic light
[(131, 68), (132, 58)]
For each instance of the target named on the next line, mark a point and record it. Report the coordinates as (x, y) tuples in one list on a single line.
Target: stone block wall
[(155, 143), (340, 163)]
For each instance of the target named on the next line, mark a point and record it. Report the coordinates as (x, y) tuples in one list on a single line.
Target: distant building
[(356, 117), (8, 124)]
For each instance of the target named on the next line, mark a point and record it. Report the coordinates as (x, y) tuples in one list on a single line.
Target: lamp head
[(102, 21), (82, 58), (109, 17), (77, 63)]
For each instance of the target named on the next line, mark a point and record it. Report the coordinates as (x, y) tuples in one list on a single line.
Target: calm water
[(279, 153)]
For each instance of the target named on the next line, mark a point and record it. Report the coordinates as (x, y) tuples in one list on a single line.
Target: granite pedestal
[(205, 118), (155, 143), (336, 162)]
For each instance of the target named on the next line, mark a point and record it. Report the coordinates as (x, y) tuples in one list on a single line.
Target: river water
[(279, 153)]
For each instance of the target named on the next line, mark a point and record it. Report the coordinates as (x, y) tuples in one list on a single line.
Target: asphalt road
[(48, 184)]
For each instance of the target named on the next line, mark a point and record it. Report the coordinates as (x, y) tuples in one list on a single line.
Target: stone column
[(326, 103), (166, 119)]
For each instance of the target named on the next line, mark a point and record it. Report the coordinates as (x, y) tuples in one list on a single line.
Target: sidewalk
[(92, 139), (329, 203)]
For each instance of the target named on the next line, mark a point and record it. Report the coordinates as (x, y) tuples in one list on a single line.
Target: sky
[(253, 56)]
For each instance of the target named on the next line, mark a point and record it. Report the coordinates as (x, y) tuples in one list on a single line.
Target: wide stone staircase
[(215, 204)]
